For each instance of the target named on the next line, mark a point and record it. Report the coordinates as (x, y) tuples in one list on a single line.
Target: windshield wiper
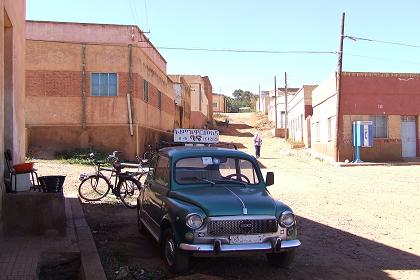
[(198, 179), (231, 181)]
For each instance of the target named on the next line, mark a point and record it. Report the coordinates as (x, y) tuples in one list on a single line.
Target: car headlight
[(287, 219), (194, 221)]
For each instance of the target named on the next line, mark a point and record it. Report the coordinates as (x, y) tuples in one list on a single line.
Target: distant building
[(182, 101), (219, 103), (201, 99), (390, 100), (263, 102), (100, 86), (277, 105), (299, 108)]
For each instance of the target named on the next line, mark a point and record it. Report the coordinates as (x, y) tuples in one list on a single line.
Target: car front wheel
[(282, 260), (176, 260)]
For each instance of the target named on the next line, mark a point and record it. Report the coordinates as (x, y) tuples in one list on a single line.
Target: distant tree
[(241, 99)]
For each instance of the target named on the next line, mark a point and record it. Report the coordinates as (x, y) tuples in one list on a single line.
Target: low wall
[(279, 132), (34, 213), (53, 139), (383, 150)]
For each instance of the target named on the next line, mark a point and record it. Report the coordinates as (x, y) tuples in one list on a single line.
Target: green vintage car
[(208, 200)]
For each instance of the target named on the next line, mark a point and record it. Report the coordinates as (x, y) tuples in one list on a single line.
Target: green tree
[(241, 99)]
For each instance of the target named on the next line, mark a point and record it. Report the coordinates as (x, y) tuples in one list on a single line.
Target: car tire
[(281, 260), (175, 259)]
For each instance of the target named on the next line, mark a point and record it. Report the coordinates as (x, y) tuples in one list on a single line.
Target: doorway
[(408, 136)]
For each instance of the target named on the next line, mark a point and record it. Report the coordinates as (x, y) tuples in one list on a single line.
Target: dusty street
[(354, 222)]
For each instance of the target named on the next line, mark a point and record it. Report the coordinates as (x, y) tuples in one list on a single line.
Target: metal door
[(408, 136)]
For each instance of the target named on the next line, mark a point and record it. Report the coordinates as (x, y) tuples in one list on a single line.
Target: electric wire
[(354, 38), (246, 50)]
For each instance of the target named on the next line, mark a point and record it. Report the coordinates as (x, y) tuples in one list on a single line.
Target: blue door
[(408, 136)]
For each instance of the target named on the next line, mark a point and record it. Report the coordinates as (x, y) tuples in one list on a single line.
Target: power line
[(134, 12), (354, 38), (246, 51)]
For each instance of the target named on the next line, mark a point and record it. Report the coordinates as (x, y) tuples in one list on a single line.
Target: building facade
[(95, 86), (263, 102), (390, 100), (299, 108), (277, 105), (12, 85), (182, 93), (219, 103), (201, 99)]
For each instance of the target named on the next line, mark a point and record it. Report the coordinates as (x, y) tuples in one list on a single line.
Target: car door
[(156, 189)]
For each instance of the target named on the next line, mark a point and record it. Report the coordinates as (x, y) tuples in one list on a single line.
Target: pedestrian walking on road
[(257, 144)]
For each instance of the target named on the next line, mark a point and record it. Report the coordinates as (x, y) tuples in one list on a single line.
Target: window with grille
[(146, 91), (380, 126), (329, 125), (104, 84)]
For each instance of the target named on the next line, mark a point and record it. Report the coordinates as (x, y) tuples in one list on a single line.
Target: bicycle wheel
[(93, 188), (129, 190)]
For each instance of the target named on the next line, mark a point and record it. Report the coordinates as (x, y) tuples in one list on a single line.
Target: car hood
[(222, 200)]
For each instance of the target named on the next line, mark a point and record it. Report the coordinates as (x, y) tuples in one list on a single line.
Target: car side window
[(162, 171)]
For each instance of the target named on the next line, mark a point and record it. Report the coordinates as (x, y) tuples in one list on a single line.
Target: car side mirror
[(269, 179)]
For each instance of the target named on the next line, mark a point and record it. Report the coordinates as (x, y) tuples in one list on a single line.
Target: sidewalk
[(323, 157), (20, 255)]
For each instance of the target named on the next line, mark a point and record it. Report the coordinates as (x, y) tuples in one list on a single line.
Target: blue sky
[(305, 25)]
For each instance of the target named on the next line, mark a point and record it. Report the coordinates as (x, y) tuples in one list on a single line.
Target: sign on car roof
[(202, 136)]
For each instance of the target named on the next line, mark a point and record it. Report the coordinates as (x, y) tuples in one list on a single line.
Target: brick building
[(390, 100), (201, 99), (219, 103), (299, 108), (12, 84), (98, 86)]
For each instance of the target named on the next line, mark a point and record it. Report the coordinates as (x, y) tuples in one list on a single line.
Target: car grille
[(228, 227)]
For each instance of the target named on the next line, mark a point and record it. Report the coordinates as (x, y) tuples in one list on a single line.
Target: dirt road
[(354, 222)]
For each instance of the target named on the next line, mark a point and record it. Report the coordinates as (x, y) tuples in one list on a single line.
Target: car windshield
[(215, 170)]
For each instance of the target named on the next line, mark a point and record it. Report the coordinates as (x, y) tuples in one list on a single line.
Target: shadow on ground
[(326, 253)]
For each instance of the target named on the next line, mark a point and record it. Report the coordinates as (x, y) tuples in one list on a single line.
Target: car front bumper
[(276, 245)]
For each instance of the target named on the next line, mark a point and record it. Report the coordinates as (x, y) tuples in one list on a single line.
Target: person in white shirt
[(257, 144)]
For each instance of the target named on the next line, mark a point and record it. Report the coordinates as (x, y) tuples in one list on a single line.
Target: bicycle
[(95, 186), (149, 151)]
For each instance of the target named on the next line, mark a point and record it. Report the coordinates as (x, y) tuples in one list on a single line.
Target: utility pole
[(340, 70), (275, 100), (259, 100), (285, 105)]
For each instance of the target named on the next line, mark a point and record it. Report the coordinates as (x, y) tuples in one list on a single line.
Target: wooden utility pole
[(340, 70), (285, 106), (275, 100), (259, 100)]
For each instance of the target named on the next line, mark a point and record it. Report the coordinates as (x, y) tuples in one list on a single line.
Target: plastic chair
[(13, 173)]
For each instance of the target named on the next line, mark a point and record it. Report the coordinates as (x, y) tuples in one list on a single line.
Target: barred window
[(146, 91), (104, 84), (380, 126)]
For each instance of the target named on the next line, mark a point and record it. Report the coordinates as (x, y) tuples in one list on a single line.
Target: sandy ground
[(354, 222)]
